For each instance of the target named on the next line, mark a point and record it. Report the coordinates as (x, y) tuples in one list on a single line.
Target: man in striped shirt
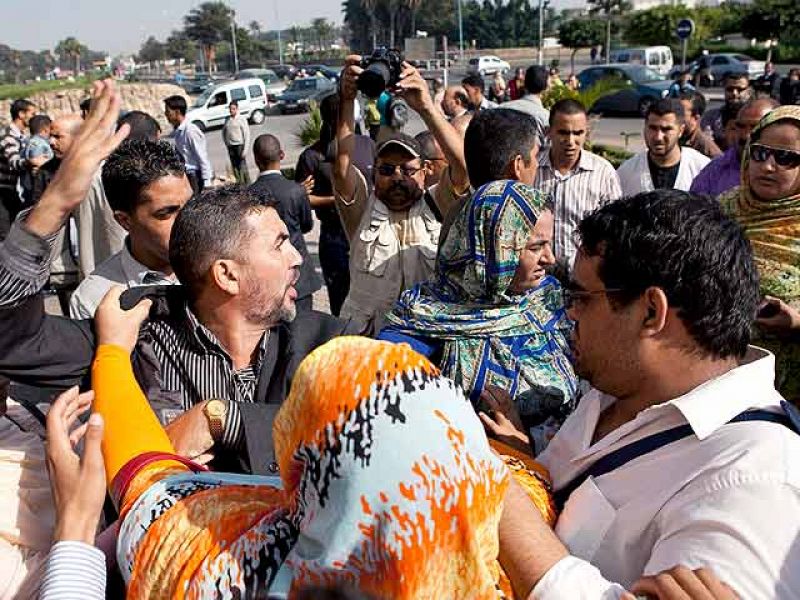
[(218, 352), (577, 180)]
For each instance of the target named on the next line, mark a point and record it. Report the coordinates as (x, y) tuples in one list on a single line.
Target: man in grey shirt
[(236, 136), (531, 103), (190, 143), (146, 187)]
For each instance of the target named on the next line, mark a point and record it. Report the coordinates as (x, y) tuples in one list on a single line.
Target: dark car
[(198, 84), (284, 71), (326, 71), (641, 87), (301, 92)]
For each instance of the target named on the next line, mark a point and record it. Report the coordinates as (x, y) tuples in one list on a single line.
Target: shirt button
[(273, 467)]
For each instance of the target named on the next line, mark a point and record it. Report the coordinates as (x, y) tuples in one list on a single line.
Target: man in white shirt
[(474, 86), (665, 164), (146, 186), (577, 180), (663, 295), (190, 143), (236, 136)]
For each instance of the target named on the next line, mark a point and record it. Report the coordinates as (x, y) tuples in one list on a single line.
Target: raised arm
[(413, 88), (344, 180)]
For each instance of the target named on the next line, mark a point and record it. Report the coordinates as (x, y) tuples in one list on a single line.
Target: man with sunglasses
[(393, 232), (738, 91), (683, 453)]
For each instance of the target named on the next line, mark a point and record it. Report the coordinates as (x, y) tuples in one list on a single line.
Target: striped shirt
[(192, 362), (75, 571), (591, 184)]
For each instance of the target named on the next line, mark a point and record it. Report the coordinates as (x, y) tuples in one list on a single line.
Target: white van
[(211, 107), (658, 58)]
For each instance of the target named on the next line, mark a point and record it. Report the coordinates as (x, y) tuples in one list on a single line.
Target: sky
[(118, 27)]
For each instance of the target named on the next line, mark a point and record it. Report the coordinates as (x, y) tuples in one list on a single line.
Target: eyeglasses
[(388, 170), (786, 159), (572, 297)]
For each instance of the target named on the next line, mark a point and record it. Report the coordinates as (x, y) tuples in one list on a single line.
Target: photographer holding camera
[(394, 229)]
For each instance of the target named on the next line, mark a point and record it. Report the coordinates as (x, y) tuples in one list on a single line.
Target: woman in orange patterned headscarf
[(387, 483)]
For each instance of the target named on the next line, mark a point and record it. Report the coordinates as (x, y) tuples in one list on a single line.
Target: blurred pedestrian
[(498, 90), (694, 105), (190, 142), (516, 87), (236, 136)]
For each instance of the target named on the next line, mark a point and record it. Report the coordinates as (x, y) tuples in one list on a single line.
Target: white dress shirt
[(190, 143), (634, 173), (727, 498), (120, 269)]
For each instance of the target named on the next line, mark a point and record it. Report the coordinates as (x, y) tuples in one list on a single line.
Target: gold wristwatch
[(216, 412)]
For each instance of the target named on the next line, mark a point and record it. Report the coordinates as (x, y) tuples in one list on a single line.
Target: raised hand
[(116, 326), (414, 89), (348, 86)]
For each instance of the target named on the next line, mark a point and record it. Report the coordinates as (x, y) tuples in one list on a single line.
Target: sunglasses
[(388, 170), (786, 159)]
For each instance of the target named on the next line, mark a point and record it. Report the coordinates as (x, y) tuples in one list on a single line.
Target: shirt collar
[(182, 127), (585, 162), (134, 271), (205, 341), (270, 172), (714, 403)]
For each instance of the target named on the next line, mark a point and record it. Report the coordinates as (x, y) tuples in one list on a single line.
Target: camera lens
[(374, 79)]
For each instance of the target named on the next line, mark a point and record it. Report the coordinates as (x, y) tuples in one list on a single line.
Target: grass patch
[(29, 89)]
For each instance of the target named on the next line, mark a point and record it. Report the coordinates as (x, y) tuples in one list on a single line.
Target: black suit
[(295, 210), (44, 350)]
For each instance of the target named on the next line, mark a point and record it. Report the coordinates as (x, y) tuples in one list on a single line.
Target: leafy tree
[(580, 33), (255, 28), (208, 25), (657, 26), (609, 9), (72, 48), (152, 50), (322, 31), (777, 20), (180, 47)]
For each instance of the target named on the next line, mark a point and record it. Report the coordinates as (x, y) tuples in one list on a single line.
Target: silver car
[(720, 65)]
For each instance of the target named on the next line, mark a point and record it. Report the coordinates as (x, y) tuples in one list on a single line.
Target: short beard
[(256, 303)]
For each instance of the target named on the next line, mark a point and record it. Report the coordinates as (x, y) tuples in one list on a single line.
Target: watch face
[(215, 408)]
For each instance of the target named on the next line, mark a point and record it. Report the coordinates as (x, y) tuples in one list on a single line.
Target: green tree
[(255, 28), (208, 25), (152, 51), (72, 48), (657, 26), (580, 33), (610, 9), (322, 29), (180, 47), (776, 20)]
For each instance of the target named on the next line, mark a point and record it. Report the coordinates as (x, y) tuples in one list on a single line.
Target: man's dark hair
[(686, 245), (135, 165), (736, 76), (474, 81), (664, 107), (39, 123), (143, 126), (19, 106), (698, 102), (427, 142), (233, 103), (85, 104), (494, 138), (566, 106), (176, 103), (536, 79), (329, 112), (728, 113), (266, 149), (462, 98), (212, 226)]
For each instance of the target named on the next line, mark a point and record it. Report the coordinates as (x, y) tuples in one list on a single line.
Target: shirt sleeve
[(575, 579), (197, 141), (351, 210), (613, 189), (24, 264), (12, 151), (74, 571), (246, 134)]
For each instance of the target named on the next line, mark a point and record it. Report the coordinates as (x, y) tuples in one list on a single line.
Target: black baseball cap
[(403, 142)]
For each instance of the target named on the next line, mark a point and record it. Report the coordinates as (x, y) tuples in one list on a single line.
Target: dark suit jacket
[(44, 350), (295, 210)]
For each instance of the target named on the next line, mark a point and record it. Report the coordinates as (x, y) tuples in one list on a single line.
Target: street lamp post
[(541, 32), (278, 23), (460, 32), (233, 42)]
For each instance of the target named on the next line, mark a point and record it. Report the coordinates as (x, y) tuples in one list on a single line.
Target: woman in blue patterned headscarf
[(491, 315)]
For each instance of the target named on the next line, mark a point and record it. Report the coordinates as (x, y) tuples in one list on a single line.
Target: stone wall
[(147, 97)]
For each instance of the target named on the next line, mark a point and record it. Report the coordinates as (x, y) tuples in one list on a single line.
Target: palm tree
[(370, 6), (609, 8), (413, 6), (255, 28), (72, 48)]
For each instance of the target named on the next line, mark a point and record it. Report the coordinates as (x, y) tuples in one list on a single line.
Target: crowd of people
[(541, 376)]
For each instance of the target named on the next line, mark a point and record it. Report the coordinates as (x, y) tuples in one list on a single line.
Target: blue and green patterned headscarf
[(492, 336)]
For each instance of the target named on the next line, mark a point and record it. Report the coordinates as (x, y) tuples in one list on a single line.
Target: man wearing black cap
[(393, 231)]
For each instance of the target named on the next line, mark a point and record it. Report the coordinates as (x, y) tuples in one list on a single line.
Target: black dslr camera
[(381, 71)]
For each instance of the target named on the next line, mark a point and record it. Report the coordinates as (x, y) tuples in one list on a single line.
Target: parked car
[(327, 72), (211, 107), (487, 65), (658, 58), (711, 69), (284, 71), (301, 92), (273, 84), (642, 87), (197, 84)]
